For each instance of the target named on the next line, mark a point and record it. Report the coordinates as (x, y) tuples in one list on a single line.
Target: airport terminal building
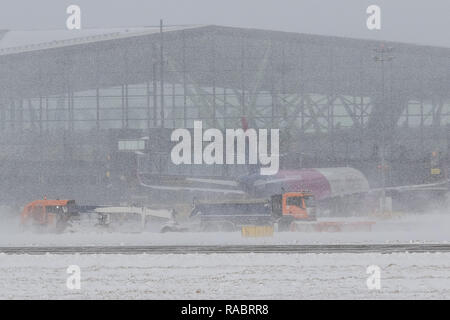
[(81, 112)]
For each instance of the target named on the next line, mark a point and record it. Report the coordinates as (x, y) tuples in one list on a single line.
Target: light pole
[(382, 56), (161, 70)]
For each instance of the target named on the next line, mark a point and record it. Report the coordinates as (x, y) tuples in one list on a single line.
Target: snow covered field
[(226, 276), (230, 276), (409, 228)]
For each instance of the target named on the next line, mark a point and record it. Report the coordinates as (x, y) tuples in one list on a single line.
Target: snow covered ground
[(230, 276), (226, 276), (405, 229)]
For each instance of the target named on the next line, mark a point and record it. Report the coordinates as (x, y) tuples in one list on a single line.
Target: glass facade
[(138, 107)]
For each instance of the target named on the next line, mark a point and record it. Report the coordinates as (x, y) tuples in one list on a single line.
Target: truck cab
[(49, 214), (294, 205)]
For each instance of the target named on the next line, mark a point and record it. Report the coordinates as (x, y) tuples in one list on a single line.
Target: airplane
[(335, 187)]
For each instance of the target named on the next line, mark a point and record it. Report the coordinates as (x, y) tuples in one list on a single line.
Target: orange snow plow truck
[(50, 215)]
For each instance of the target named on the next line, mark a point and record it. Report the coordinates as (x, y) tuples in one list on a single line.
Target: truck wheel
[(210, 227), (60, 226), (227, 227), (284, 223), (166, 229)]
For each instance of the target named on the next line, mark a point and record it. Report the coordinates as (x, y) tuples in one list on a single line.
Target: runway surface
[(339, 248)]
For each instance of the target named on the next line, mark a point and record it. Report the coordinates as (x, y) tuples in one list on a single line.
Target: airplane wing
[(438, 186), (181, 183)]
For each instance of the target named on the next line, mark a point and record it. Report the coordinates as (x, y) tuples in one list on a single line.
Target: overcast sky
[(413, 21)]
